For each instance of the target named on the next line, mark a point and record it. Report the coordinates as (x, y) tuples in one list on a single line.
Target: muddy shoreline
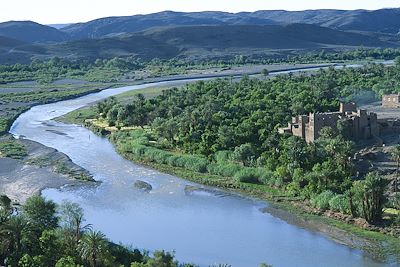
[(42, 168), (336, 234)]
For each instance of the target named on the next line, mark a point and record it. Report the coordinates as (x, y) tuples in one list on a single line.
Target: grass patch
[(61, 167), (78, 116), (12, 149), (147, 93), (4, 125)]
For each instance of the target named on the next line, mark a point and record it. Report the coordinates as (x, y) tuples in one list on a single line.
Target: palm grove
[(229, 129)]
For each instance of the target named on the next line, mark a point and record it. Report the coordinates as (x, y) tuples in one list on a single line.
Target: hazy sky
[(63, 11)]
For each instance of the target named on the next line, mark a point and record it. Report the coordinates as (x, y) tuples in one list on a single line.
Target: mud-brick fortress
[(362, 124)]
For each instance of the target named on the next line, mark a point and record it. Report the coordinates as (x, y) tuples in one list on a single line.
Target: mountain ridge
[(215, 41), (379, 21)]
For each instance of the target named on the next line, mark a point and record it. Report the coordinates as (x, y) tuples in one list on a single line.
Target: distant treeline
[(112, 70)]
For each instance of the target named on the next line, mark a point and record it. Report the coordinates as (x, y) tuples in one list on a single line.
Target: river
[(203, 227)]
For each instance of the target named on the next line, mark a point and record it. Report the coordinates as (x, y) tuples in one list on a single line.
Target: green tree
[(112, 115), (40, 212), (162, 259), (67, 262), (6, 208), (244, 154), (50, 244), (72, 219), (397, 61), (93, 247), (395, 153), (370, 195), (29, 261), (12, 232)]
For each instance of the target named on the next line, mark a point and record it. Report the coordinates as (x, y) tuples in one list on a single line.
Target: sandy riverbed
[(44, 167)]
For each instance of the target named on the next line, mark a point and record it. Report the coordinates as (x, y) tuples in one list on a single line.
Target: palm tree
[(72, 218), (11, 233), (396, 157), (6, 208), (93, 247)]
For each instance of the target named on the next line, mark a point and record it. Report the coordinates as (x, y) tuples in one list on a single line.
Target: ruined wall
[(299, 128), (391, 101), (322, 120), (348, 107)]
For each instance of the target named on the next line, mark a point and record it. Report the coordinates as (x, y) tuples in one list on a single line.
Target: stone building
[(360, 123), (391, 101)]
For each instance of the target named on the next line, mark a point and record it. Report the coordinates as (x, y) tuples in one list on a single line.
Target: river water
[(203, 227)]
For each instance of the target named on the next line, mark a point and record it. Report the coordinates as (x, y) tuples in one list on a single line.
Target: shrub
[(195, 163), (223, 156), (321, 201), (339, 203), (138, 150), (248, 175), (223, 169), (282, 172), (162, 157), (199, 167), (173, 161), (278, 182), (267, 176)]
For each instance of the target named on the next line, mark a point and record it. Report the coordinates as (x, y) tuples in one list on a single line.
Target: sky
[(71, 11)]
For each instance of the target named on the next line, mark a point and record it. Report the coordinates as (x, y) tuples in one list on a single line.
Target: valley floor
[(20, 178)]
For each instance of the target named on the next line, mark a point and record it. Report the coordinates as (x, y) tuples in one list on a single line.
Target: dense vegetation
[(230, 129), (42, 234)]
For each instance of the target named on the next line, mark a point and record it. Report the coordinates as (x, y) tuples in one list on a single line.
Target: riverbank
[(35, 168)]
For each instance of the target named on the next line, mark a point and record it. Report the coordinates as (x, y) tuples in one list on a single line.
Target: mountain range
[(203, 34)]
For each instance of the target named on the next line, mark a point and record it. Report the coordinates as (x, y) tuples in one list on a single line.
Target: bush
[(195, 163), (278, 182), (267, 177), (138, 150), (321, 201), (190, 162), (223, 156), (248, 175), (223, 169), (340, 203), (173, 161)]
